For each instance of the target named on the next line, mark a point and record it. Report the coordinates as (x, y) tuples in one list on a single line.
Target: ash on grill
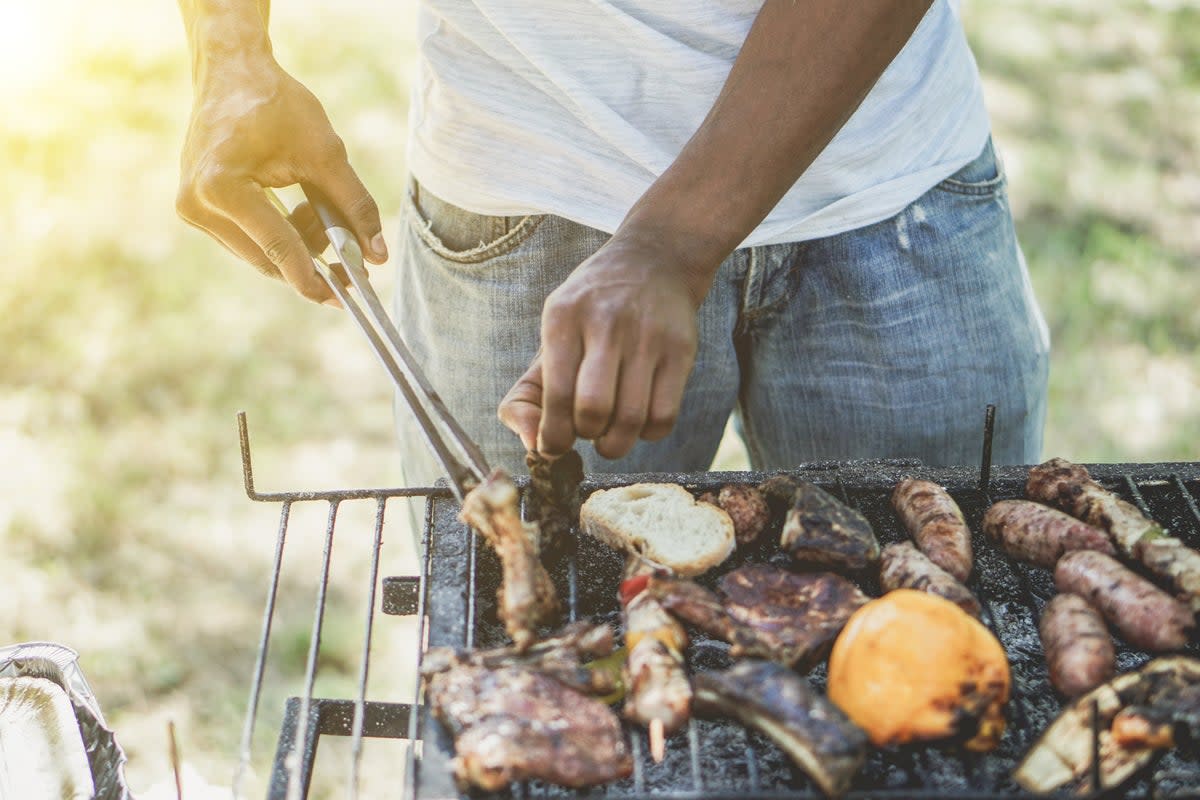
[(455, 600)]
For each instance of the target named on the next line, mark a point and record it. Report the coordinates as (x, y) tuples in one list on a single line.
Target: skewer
[(658, 743), (174, 749)]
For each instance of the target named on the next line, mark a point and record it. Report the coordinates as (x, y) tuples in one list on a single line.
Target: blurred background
[(129, 341)]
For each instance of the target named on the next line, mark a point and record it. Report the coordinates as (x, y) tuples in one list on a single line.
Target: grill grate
[(454, 599)]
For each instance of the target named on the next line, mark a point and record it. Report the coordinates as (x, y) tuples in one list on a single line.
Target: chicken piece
[(553, 499), (903, 566), (514, 723), (658, 693), (821, 530), (936, 524), (814, 733), (526, 598), (767, 612)]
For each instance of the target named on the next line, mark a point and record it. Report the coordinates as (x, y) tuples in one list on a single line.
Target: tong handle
[(336, 227)]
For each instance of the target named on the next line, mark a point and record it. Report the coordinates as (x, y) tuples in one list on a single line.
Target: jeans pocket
[(983, 175), (462, 236)]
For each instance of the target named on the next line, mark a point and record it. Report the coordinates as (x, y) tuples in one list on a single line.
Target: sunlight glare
[(30, 47)]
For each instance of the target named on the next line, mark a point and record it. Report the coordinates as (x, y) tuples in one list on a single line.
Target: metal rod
[(1094, 771), (264, 639), (356, 743), (1187, 496), (300, 742), (1136, 494), (985, 466), (414, 716), (472, 586), (693, 737)]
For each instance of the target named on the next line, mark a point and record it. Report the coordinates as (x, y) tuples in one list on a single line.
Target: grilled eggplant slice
[(814, 733), (819, 529), (1063, 754)]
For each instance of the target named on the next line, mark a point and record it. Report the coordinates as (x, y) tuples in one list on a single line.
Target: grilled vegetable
[(936, 524), (1063, 754), (526, 598), (1145, 615), (815, 734), (767, 612), (1071, 488), (821, 530), (658, 694), (1039, 534), (1079, 651), (912, 665), (903, 566)]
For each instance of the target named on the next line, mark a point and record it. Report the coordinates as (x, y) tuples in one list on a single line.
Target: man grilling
[(629, 219)]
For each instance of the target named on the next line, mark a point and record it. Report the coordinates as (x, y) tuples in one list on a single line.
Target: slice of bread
[(661, 521)]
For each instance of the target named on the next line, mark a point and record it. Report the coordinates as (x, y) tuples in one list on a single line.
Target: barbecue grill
[(454, 599)]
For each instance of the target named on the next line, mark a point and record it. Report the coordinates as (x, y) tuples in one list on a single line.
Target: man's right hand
[(254, 126)]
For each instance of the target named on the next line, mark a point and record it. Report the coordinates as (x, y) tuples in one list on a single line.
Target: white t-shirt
[(574, 107)]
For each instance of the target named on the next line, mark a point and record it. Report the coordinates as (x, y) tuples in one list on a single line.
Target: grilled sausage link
[(903, 566), (1039, 534), (937, 525), (1079, 651), (1145, 615)]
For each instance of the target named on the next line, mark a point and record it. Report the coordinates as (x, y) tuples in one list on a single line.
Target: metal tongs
[(465, 468)]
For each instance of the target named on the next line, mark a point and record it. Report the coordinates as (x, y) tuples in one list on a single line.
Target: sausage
[(937, 525), (1079, 650), (1145, 615), (903, 566), (1039, 534)]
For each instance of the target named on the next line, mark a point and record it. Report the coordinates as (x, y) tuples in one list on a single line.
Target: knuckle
[(186, 204), (276, 249)]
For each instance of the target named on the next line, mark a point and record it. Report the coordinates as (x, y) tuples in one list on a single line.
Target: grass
[(129, 340)]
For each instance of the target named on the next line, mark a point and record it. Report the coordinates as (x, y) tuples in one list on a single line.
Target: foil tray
[(58, 736)]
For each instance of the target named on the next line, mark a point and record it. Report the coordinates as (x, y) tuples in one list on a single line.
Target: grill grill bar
[(455, 605)]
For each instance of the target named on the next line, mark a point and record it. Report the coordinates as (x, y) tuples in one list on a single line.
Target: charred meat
[(936, 524), (1079, 651), (526, 598), (1176, 563), (746, 506), (1070, 487), (1146, 616), (767, 612), (819, 529), (815, 734), (1039, 534), (553, 499), (903, 566)]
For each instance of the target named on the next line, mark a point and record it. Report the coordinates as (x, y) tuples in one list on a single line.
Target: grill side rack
[(453, 598)]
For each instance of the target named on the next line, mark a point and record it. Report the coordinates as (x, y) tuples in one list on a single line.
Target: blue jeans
[(883, 342)]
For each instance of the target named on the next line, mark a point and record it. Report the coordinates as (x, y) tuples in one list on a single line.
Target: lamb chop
[(658, 694), (526, 598), (814, 733), (513, 719), (767, 612)]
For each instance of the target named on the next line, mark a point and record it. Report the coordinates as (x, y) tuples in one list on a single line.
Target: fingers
[(596, 390), (666, 396), (341, 185), (629, 410), (521, 408), (560, 365), (280, 242)]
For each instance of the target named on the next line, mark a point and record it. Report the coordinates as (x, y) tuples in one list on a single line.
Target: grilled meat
[(1063, 754), (1071, 488), (903, 566), (815, 734), (936, 524), (1170, 718), (746, 506), (821, 530), (553, 499), (657, 687), (526, 598), (767, 612), (1079, 651), (514, 723), (1040, 534), (1145, 615), (1175, 562)]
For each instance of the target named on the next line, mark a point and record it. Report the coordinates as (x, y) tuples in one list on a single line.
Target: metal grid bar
[(360, 700)]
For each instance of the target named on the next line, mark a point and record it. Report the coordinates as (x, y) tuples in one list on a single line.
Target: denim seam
[(994, 186), (505, 244)]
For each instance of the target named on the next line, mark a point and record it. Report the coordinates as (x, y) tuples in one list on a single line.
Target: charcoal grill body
[(719, 758)]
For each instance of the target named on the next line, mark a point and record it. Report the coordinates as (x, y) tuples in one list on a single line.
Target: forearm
[(804, 68), (221, 31)]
